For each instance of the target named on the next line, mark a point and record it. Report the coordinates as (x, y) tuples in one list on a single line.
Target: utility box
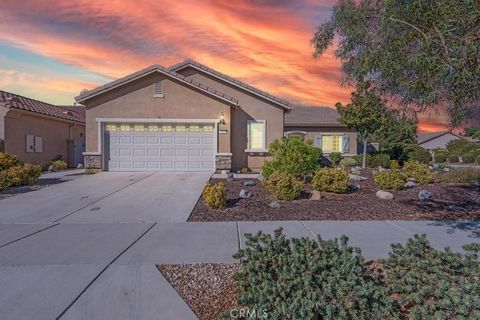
[(75, 150)]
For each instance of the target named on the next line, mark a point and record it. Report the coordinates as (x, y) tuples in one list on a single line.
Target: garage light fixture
[(222, 119)]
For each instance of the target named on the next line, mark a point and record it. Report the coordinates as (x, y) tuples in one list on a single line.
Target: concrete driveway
[(109, 197)]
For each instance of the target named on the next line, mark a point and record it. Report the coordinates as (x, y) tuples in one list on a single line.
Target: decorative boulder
[(223, 172), (424, 194), (244, 194), (315, 195), (384, 195), (249, 183), (410, 184), (355, 187), (446, 169), (357, 177), (274, 204), (51, 168)]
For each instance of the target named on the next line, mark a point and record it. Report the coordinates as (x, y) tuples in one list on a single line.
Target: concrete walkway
[(107, 270)]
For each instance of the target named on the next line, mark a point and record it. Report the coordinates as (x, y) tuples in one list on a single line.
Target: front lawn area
[(448, 201)]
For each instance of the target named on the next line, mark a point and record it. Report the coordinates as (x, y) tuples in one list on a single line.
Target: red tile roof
[(15, 101)]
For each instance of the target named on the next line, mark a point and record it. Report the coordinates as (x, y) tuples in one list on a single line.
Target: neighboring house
[(37, 132), (184, 118), (436, 140), (321, 125)]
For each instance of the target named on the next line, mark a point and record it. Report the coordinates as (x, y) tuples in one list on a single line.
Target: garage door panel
[(161, 148)]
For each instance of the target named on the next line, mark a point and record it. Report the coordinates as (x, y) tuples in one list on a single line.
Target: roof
[(190, 63), (15, 101), (152, 69), (423, 137), (313, 116)]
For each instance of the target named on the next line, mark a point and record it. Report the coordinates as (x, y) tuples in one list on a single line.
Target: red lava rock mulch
[(207, 288), (358, 205)]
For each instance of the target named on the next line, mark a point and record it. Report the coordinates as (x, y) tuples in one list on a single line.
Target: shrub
[(468, 158), (331, 180), (419, 171), (434, 284), (27, 174), (308, 279), (244, 170), (394, 165), (4, 181), (215, 195), (7, 161), (59, 165), (375, 160), (461, 175), (284, 186), (440, 157), (476, 154), (335, 158), (294, 156), (348, 162), (460, 146), (416, 153), (453, 159), (390, 180)]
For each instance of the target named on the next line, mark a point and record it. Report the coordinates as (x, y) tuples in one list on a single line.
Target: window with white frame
[(256, 135), (332, 143)]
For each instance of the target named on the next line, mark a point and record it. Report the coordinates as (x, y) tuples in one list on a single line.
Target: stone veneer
[(92, 161), (223, 162)]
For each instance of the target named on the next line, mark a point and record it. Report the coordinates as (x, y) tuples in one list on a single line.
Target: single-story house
[(436, 140), (37, 132), (189, 117)]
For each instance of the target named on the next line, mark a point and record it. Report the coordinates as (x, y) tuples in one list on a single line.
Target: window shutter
[(158, 89), (346, 143), (318, 141)]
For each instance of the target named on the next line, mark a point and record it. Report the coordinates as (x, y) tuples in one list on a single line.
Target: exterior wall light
[(222, 119)]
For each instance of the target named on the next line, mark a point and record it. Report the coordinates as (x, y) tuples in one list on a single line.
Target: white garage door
[(160, 147)]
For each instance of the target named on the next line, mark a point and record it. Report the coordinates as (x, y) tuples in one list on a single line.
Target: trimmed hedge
[(284, 186), (390, 180), (215, 195), (419, 171), (348, 162), (14, 172), (468, 158), (331, 180), (453, 159), (335, 158)]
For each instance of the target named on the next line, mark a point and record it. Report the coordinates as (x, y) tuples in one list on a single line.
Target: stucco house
[(436, 140), (37, 132), (189, 117)]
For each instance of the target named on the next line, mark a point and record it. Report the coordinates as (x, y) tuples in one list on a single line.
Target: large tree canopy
[(419, 53)]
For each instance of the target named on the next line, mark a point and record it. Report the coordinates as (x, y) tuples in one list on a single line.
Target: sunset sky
[(51, 50)]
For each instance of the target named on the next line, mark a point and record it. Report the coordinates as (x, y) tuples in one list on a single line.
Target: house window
[(158, 89), (295, 134), (332, 143), (256, 135)]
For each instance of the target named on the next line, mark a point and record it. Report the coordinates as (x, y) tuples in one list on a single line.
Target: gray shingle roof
[(15, 101), (156, 68), (191, 63), (312, 116), (423, 137)]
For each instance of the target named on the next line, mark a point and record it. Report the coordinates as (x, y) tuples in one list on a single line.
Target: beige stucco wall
[(251, 107), (53, 132), (311, 132), (136, 100)]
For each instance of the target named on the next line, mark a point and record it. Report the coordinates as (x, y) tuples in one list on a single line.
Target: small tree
[(366, 114)]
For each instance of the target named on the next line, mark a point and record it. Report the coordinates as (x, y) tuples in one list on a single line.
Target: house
[(321, 125), (436, 140), (188, 117), (37, 132)]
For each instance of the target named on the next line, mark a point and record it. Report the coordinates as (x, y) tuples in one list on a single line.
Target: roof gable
[(239, 84), (429, 136), (156, 69), (15, 101)]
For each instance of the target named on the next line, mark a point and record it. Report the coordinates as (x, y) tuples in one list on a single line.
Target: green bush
[(294, 156), (59, 165), (284, 186), (390, 180), (215, 195), (308, 279), (375, 160), (26, 174), (476, 154), (461, 175), (335, 158), (348, 162), (460, 146), (4, 181), (394, 165), (453, 159), (440, 157), (414, 152), (7, 161), (419, 171), (468, 158), (331, 180), (434, 284)]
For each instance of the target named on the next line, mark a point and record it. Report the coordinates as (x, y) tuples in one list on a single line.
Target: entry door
[(160, 147)]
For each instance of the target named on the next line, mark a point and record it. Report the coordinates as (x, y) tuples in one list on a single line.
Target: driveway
[(109, 197)]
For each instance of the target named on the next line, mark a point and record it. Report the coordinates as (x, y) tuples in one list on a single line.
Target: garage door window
[(153, 128), (124, 127), (194, 128), (180, 128), (111, 127), (139, 128), (167, 128), (207, 128)]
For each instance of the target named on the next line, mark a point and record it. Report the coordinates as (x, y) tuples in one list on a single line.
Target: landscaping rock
[(356, 177), (430, 167), (384, 195), (410, 184), (381, 169), (446, 169), (355, 187), (51, 168), (244, 194), (424, 194), (457, 208), (224, 172), (412, 180), (249, 183), (356, 171), (315, 195), (274, 204), (436, 166), (80, 166)]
